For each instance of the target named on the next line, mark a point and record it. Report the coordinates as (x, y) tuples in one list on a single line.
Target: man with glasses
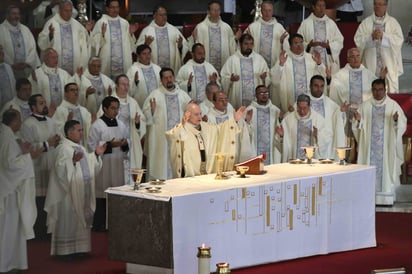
[(265, 119), (114, 41), (378, 127), (380, 39)]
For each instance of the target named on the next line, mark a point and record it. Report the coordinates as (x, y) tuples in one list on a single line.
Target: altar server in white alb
[(107, 129), (70, 201), (7, 80), (70, 109), (133, 118), (17, 195), (94, 86), (330, 111), (20, 101), (18, 44), (300, 128), (380, 39), (169, 46), (216, 36), (163, 108), (194, 143), (242, 72), (293, 72), (379, 126), (68, 37), (143, 75), (114, 40), (265, 119), (321, 33), (196, 73), (268, 33), (49, 80)]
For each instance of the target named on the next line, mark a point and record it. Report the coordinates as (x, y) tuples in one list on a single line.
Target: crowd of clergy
[(76, 123)]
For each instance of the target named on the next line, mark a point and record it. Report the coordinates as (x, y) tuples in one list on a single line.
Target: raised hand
[(282, 58), (280, 131), (148, 39)]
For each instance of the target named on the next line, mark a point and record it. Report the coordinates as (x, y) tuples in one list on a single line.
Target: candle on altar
[(222, 268), (204, 255)]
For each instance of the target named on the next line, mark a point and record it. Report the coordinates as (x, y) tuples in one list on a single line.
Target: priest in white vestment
[(269, 35), (70, 200), (169, 46), (70, 109), (378, 128), (293, 72), (194, 143), (49, 80), (349, 88), (163, 108), (20, 101), (143, 75), (133, 118), (221, 111), (196, 73), (110, 130), (321, 33), (265, 119), (94, 86), (243, 72), (207, 103), (216, 36), (331, 112), (7, 80), (17, 195), (114, 40), (18, 44), (380, 39), (301, 128), (68, 37), (41, 132)]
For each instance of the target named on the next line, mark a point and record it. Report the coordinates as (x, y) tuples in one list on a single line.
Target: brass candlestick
[(222, 268)]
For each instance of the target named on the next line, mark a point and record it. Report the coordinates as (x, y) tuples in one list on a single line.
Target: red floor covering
[(393, 233)]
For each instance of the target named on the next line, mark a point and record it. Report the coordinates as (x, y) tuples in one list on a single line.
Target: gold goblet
[(242, 170), (309, 152), (137, 175), (342, 154)]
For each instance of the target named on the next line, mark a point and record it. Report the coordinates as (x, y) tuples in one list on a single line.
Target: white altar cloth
[(289, 212)]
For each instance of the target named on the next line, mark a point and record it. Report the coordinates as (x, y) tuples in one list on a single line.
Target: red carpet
[(393, 232)]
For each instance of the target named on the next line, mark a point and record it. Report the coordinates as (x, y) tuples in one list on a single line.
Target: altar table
[(290, 211)]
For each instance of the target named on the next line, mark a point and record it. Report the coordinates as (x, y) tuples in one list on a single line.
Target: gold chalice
[(242, 170), (137, 175), (309, 153), (342, 154)]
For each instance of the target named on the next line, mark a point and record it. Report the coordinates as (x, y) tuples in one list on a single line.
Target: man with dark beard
[(40, 131)]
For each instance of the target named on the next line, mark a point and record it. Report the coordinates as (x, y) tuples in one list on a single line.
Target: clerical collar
[(198, 127), (378, 102), (39, 117), (109, 122), (304, 117), (220, 112)]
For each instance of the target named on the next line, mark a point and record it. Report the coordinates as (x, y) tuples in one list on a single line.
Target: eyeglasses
[(297, 43), (263, 93)]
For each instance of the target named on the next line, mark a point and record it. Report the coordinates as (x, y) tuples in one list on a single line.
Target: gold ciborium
[(342, 154), (137, 175), (309, 153), (220, 163), (242, 170)]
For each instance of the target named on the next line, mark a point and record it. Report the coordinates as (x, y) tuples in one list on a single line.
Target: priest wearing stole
[(70, 200), (378, 129), (194, 143)]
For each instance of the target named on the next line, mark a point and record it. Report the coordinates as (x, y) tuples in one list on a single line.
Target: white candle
[(204, 259)]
